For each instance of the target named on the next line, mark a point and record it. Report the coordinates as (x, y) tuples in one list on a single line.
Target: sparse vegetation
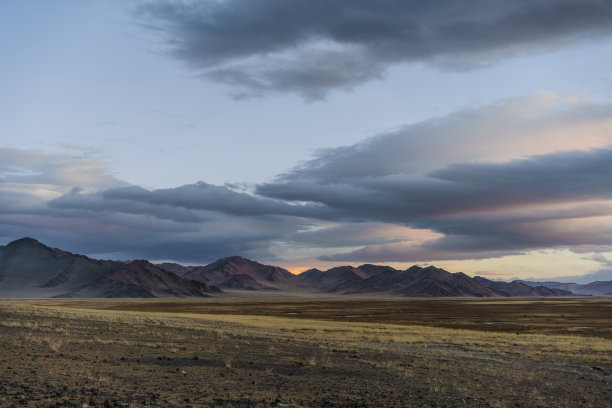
[(163, 353), (54, 343), (228, 362)]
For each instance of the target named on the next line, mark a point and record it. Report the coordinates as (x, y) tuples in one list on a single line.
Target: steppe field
[(306, 352)]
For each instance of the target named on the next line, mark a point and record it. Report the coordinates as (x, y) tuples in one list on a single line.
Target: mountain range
[(233, 273), (29, 268), (597, 288)]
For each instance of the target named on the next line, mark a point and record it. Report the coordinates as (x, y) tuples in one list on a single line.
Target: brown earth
[(306, 352)]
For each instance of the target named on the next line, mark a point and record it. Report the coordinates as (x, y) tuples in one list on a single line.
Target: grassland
[(306, 352)]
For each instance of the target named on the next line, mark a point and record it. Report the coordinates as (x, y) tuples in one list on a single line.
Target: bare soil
[(306, 353)]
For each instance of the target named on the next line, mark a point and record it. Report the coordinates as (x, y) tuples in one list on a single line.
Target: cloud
[(115, 235), (472, 177), (70, 200), (467, 238), (47, 175), (310, 74), (357, 235), (411, 253), (550, 178), (510, 129), (516, 152), (187, 203), (315, 46), (506, 179), (483, 209)]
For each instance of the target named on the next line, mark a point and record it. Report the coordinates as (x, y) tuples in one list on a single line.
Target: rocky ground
[(52, 356)]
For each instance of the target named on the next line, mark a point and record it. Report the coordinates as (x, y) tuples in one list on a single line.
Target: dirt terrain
[(306, 352)]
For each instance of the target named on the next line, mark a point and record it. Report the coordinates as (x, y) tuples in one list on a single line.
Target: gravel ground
[(49, 358)]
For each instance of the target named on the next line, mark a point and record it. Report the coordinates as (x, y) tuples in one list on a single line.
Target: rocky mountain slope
[(517, 288), (414, 282), (597, 288), (237, 273), (29, 268)]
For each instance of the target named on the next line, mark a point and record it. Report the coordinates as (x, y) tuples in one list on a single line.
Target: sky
[(475, 136)]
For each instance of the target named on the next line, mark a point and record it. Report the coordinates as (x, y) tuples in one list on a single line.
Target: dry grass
[(279, 359), (379, 336)]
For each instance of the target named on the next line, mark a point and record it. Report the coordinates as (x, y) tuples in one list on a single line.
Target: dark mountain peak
[(141, 276), (29, 267), (428, 268), (432, 268), (311, 271), (32, 268), (218, 273), (234, 263), (337, 279), (174, 267), (345, 272), (311, 275), (142, 263), (427, 271), (372, 270), (28, 244), (342, 268), (235, 259), (31, 244), (419, 281), (27, 241)]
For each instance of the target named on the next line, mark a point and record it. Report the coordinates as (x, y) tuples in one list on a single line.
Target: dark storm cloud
[(192, 223), (555, 177), (473, 237), (113, 236), (483, 209), (200, 196), (70, 201), (310, 47), (422, 176), (418, 193), (310, 75), (183, 203)]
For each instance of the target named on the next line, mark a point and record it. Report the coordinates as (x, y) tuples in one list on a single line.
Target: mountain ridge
[(517, 288), (29, 268), (595, 288), (236, 272)]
